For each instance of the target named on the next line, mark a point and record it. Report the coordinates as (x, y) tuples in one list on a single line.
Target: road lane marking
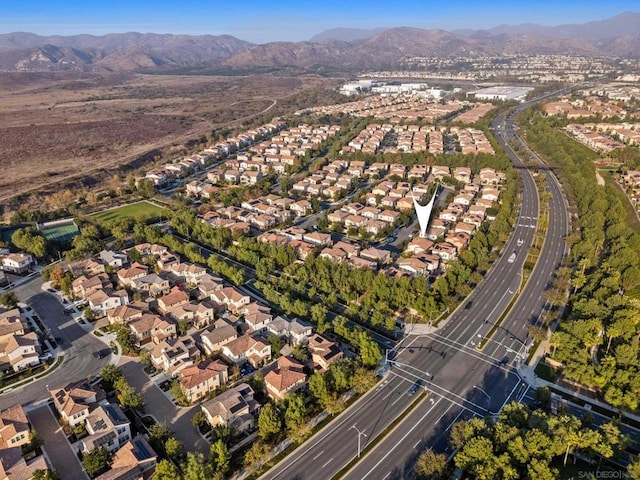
[(417, 443), (328, 462), (318, 455), (401, 440)]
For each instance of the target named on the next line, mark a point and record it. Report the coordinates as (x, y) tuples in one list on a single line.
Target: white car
[(512, 258), (520, 242)]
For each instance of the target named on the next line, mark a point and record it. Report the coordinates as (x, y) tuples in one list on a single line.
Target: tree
[(219, 457), (166, 470), (159, 431), (146, 188), (96, 461), (363, 380), (300, 352), (30, 240), (199, 418), (124, 338), (178, 393), (634, 468), (173, 447), (269, 421), (256, 455), (128, 396), (47, 474), (295, 414), (431, 464), (276, 344), (110, 374), (9, 300)]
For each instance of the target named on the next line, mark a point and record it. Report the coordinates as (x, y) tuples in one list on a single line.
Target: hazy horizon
[(260, 22)]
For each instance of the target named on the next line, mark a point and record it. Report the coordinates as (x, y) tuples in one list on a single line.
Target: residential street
[(64, 460), (159, 405)]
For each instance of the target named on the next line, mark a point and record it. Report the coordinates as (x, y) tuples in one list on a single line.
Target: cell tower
[(424, 212)]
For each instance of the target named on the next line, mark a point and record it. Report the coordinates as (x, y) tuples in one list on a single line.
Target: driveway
[(64, 460), (163, 409)]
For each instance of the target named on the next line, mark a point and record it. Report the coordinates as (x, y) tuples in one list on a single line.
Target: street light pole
[(485, 394), (360, 434)]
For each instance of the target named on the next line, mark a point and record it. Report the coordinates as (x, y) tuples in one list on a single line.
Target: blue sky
[(263, 21)]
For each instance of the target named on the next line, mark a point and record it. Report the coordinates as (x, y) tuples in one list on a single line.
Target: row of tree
[(597, 342)]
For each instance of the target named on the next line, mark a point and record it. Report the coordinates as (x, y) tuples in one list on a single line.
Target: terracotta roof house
[(137, 270), (152, 328), (323, 351), (247, 349), (197, 314), (255, 315), (152, 284), (20, 351), (84, 285), (131, 461), (174, 298), (107, 299), (198, 380), (287, 377), (233, 298), (74, 401), (419, 245), (376, 255), (14, 427), (124, 314), (235, 408)]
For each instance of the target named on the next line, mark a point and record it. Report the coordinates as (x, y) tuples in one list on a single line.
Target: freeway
[(78, 346), (394, 457), (461, 379)]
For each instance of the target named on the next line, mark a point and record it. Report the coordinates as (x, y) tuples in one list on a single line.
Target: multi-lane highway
[(461, 380)]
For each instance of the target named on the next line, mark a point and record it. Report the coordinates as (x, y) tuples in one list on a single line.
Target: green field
[(140, 211)]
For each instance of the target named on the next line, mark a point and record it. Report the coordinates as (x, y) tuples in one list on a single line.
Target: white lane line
[(417, 443), (328, 462), (387, 475), (318, 455), (401, 440)]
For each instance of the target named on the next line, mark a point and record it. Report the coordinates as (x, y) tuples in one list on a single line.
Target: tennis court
[(61, 233)]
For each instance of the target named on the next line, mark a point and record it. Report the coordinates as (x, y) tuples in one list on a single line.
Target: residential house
[(233, 298), (419, 245), (235, 408), (152, 284), (323, 351), (107, 299), (247, 349), (213, 338), (462, 174), (199, 380), (75, 400), (152, 328), (197, 314), (287, 377), (380, 256), (256, 316), (113, 259), (85, 285), (124, 314), (131, 461), (445, 250), (126, 275), (108, 427), (14, 427), (20, 351), (189, 272), (389, 216), (175, 356), (318, 238), (17, 263), (174, 298), (295, 331)]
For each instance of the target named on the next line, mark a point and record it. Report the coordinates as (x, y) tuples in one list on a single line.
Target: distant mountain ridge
[(345, 34), (355, 49)]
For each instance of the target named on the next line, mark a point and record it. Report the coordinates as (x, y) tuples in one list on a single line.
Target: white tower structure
[(424, 212)]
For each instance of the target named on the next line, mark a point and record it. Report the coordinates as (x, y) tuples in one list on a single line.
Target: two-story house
[(199, 380), (108, 427), (75, 400), (287, 377), (235, 408), (247, 349)]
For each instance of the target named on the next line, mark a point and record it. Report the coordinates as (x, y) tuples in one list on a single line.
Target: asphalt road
[(394, 457), (78, 346), (461, 380)]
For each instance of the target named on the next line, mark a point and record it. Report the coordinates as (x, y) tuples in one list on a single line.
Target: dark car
[(505, 360), (414, 388), (59, 340), (99, 354)]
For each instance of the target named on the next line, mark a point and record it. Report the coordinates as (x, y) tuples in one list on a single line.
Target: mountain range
[(337, 49)]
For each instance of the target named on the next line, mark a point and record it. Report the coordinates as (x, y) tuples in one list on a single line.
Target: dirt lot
[(56, 126)]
